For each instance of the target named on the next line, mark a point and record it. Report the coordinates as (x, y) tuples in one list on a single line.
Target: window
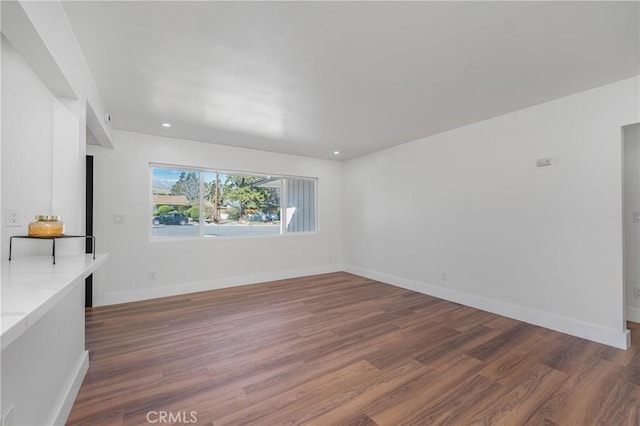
[(191, 202)]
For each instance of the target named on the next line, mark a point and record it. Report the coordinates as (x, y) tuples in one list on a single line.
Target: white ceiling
[(313, 77)]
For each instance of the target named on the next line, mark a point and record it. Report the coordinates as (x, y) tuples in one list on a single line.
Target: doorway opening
[(88, 283)]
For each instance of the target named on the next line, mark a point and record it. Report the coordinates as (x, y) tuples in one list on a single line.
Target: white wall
[(631, 186), (540, 244), (122, 186), (46, 88), (1, 207), (42, 33), (42, 171), (68, 178)]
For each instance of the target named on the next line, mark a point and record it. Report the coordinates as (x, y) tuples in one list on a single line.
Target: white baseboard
[(69, 394), (615, 338), (633, 314), (196, 286)]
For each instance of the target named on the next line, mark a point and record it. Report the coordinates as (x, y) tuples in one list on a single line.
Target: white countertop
[(31, 285)]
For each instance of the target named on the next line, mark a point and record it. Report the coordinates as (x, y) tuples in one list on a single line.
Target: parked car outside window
[(171, 219)]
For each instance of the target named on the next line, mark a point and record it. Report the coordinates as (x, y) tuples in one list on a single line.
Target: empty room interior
[(327, 213)]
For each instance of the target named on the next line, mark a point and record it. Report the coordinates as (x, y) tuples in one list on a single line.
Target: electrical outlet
[(636, 292), (13, 217), (153, 275), (443, 276)]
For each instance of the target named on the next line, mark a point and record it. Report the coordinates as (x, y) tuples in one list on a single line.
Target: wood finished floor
[(342, 349)]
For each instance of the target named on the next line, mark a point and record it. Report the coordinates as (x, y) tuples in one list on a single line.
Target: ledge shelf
[(53, 239)]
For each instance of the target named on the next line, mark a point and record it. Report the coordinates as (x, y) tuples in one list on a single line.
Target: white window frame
[(284, 232)]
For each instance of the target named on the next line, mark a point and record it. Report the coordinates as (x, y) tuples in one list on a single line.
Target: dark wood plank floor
[(341, 349)]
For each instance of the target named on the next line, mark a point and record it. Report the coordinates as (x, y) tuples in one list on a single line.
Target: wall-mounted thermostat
[(541, 162)]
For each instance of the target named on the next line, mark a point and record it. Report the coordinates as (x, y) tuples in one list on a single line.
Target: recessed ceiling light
[(166, 124), (336, 152)]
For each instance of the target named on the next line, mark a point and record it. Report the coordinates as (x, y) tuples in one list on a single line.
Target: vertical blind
[(301, 205)]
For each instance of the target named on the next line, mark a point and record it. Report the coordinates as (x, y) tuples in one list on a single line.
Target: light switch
[(118, 219), (636, 217)]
